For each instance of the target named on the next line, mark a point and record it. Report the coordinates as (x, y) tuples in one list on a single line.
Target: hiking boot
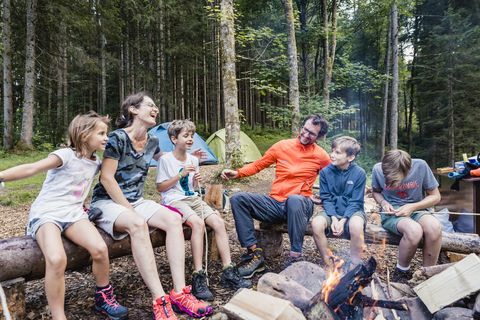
[(199, 286), (401, 276), (162, 309), (231, 279), (186, 302), (291, 260), (106, 304), (254, 265)]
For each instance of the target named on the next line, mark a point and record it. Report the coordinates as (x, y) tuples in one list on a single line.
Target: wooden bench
[(269, 237), (22, 260)]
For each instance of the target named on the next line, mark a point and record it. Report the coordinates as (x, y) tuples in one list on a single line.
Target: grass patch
[(265, 138), (23, 191)]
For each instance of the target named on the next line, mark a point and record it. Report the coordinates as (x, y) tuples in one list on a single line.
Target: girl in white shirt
[(58, 210)]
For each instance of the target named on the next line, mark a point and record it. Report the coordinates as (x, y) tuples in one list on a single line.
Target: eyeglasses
[(310, 133)]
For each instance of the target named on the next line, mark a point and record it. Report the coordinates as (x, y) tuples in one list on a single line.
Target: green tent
[(216, 142)]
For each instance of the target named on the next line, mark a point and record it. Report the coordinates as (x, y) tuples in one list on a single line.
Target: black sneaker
[(106, 304), (401, 276), (199, 286), (252, 266), (231, 279)]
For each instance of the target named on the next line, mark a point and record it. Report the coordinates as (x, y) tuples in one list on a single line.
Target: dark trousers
[(296, 211)]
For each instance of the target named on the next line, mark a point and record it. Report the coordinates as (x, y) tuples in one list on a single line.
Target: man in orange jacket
[(298, 162)]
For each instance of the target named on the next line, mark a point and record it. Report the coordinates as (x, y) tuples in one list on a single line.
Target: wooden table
[(466, 199)]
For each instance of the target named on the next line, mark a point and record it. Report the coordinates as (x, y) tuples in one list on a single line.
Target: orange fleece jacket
[(297, 167)]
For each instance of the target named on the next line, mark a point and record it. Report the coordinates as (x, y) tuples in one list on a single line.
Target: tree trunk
[(385, 89), (302, 8), (293, 92), (326, 83), (21, 256), (121, 74), (65, 84), (394, 109), (7, 78), (26, 134), (331, 52), (233, 153)]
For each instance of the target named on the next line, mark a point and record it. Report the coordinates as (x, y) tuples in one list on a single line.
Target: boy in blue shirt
[(342, 188)]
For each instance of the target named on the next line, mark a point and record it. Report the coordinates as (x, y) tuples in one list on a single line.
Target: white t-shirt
[(168, 167), (65, 188)]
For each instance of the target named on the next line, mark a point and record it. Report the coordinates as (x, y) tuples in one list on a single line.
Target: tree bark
[(293, 91), (329, 57), (395, 82), (455, 242), (7, 78), (29, 89), (385, 89), (233, 153), (21, 256)]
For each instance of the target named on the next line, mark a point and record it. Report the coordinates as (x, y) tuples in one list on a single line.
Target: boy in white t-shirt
[(177, 178)]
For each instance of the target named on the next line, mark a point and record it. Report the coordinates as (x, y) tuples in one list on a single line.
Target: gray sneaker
[(254, 265), (231, 279), (199, 286)]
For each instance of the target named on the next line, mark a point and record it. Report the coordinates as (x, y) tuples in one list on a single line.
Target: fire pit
[(343, 293)]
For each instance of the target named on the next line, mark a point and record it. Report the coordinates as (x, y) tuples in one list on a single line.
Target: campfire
[(343, 292)]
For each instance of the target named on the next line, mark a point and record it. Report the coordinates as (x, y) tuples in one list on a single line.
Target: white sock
[(403, 268)]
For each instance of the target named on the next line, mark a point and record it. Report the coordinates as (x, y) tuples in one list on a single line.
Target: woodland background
[(391, 73)]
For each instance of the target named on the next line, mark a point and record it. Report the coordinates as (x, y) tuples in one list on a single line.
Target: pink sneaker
[(185, 301)]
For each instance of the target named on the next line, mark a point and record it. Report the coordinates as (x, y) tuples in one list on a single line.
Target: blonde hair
[(395, 166), (80, 130), (178, 125), (347, 144)]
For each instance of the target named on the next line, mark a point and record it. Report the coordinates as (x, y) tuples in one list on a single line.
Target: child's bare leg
[(432, 232), (198, 230), (319, 225), (84, 234), (50, 241), (221, 238), (356, 238), (412, 233), (171, 223)]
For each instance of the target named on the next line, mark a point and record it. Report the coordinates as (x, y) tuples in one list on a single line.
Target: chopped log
[(15, 295), (21, 256), (271, 242), (248, 304), (428, 272), (454, 256), (476, 308), (452, 284), (455, 242)]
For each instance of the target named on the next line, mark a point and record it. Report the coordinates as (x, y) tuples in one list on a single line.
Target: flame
[(334, 275)]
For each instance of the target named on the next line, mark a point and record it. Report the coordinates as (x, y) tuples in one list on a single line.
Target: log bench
[(22, 260), (269, 237)]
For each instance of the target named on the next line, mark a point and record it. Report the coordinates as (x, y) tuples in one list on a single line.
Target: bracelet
[(180, 175)]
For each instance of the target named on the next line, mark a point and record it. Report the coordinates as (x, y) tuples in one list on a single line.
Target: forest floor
[(130, 289)]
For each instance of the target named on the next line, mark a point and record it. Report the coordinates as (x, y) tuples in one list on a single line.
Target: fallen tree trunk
[(456, 242), (21, 256)]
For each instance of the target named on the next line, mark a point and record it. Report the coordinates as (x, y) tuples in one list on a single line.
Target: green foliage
[(24, 191), (265, 138)]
